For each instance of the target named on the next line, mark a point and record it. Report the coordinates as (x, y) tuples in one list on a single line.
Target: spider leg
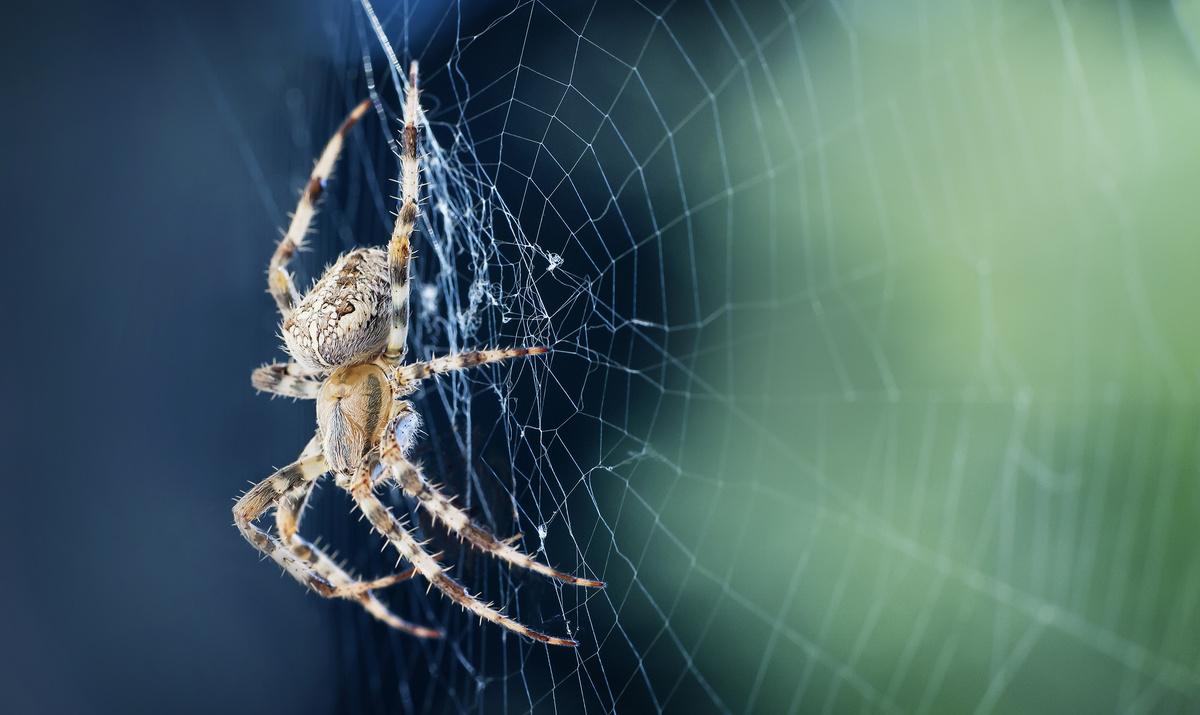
[(287, 520), (417, 371), (399, 250), (279, 281), (287, 379), (427, 565), (443, 508), (288, 490), (266, 494)]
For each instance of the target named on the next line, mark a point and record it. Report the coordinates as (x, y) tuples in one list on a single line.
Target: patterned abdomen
[(345, 318)]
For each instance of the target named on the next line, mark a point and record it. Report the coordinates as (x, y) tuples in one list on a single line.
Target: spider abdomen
[(346, 316)]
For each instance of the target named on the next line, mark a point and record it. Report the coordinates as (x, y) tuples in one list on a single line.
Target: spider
[(346, 340)]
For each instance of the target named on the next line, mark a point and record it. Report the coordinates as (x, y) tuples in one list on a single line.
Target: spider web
[(873, 383)]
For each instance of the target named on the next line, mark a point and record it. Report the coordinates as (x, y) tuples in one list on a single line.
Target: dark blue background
[(134, 309)]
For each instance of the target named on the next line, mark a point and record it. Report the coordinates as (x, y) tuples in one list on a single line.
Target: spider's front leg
[(399, 247), (442, 507), (288, 490), (279, 281)]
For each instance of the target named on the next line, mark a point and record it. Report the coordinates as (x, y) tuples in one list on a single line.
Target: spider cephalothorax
[(346, 338), (350, 415)]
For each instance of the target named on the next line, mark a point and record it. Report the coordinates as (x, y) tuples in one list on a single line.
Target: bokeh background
[(875, 384)]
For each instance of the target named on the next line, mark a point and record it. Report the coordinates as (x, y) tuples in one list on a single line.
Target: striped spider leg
[(347, 342), (287, 379), (279, 281), (287, 490)]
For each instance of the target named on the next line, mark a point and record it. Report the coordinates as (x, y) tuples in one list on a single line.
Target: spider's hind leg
[(443, 509), (266, 494), (287, 521), (427, 565), (288, 490)]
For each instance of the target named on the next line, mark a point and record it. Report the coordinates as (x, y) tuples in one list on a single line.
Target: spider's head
[(352, 411)]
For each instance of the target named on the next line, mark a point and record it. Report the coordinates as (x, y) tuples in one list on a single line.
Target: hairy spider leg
[(399, 249), (279, 281), (288, 490), (407, 375), (410, 478), (291, 503), (287, 379), (386, 524), (287, 518)]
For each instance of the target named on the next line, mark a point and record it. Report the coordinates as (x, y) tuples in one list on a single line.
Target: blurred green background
[(941, 452)]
